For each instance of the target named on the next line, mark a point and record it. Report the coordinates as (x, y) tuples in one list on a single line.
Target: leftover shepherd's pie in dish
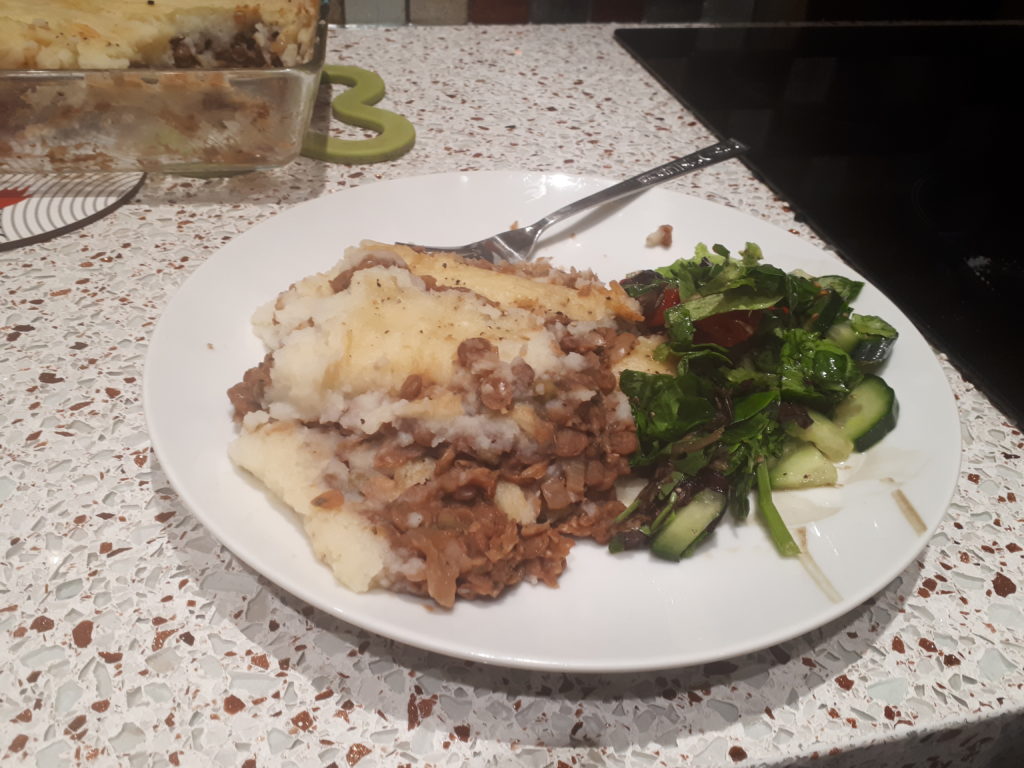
[(117, 34), (443, 427), (178, 86)]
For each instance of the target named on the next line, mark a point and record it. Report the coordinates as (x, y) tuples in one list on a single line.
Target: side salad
[(775, 382)]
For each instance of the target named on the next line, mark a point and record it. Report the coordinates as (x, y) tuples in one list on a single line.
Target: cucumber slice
[(827, 436), (802, 465), (688, 524), (872, 350), (868, 350), (844, 336), (868, 413)]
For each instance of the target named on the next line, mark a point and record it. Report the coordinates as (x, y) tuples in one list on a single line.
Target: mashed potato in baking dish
[(442, 427)]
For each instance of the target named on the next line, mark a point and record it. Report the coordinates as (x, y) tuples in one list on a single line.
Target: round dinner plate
[(610, 613)]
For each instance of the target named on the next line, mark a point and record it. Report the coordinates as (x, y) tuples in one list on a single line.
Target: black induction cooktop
[(899, 145)]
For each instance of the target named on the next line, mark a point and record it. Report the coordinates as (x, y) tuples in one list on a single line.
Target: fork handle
[(715, 153)]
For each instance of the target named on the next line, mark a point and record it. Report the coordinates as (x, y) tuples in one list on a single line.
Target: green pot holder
[(395, 135)]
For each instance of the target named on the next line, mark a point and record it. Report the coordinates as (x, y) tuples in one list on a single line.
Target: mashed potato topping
[(117, 34), (442, 427)]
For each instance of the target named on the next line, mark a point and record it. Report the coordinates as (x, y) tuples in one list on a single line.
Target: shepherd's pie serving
[(442, 427)]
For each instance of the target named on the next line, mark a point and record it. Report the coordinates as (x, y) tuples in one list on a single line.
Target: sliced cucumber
[(872, 350), (688, 524), (844, 336), (865, 349), (802, 465), (827, 436), (868, 413)]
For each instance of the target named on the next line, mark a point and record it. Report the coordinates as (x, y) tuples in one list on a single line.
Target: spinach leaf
[(704, 360), (679, 326), (747, 443), (844, 286), (869, 325), (815, 371), (665, 408), (751, 254), (748, 405)]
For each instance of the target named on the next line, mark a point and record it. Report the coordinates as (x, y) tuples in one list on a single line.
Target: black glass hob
[(899, 145)]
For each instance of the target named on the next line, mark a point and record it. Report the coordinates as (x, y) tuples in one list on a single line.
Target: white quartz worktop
[(129, 636)]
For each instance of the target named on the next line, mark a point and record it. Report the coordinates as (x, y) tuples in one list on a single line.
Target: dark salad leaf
[(666, 408), (869, 325), (815, 371)]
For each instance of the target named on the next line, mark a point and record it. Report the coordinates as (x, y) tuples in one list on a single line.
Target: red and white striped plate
[(36, 207)]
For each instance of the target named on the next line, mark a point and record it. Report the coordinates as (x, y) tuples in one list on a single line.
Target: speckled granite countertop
[(131, 637)]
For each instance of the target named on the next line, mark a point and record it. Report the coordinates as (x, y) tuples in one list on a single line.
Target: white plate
[(610, 613)]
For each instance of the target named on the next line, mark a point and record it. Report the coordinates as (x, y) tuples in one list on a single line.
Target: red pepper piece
[(669, 298), (728, 328)]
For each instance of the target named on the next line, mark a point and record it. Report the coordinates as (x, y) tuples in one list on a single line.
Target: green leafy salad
[(774, 383)]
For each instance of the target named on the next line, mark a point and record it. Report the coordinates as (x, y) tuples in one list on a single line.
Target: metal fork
[(518, 244)]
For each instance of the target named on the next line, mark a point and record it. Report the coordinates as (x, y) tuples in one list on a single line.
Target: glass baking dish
[(185, 121)]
